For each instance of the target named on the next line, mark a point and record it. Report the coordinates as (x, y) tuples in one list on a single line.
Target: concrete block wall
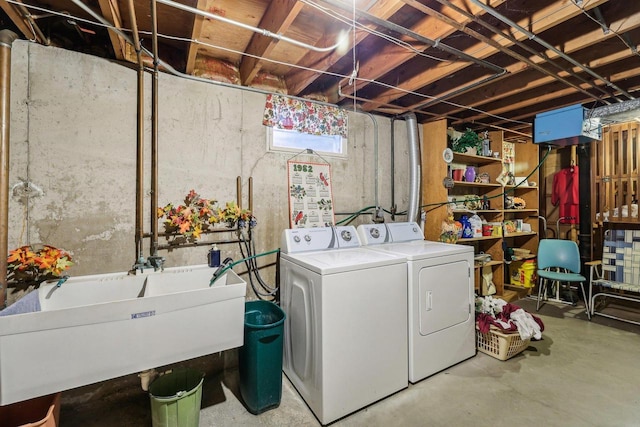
[(73, 135)]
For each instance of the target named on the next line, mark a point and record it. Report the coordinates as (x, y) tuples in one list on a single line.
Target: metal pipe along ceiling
[(405, 31), (7, 38), (509, 37), (261, 31), (493, 43), (543, 43)]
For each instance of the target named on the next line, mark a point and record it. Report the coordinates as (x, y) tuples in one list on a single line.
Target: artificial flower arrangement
[(232, 214), (30, 266), (187, 222), (507, 317)]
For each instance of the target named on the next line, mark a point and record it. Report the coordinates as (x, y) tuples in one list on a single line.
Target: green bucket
[(176, 398)]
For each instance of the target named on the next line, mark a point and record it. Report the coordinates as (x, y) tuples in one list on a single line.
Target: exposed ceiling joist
[(452, 59), (111, 11), (277, 19)]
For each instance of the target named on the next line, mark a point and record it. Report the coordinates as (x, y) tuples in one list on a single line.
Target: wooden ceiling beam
[(392, 56), (277, 19), (196, 32), (19, 21), (528, 113), (540, 21), (111, 12), (517, 81), (299, 79), (551, 92)]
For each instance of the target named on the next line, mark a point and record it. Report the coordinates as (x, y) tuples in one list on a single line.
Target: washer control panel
[(318, 239)]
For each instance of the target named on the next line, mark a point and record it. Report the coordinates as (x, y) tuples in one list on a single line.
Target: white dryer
[(441, 314), (345, 335)]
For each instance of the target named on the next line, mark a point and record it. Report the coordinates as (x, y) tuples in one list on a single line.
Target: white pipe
[(146, 377), (414, 166), (262, 31)]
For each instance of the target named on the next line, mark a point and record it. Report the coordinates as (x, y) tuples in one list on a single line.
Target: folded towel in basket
[(27, 304)]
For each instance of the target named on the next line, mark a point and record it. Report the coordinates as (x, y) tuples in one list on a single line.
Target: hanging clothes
[(566, 194)]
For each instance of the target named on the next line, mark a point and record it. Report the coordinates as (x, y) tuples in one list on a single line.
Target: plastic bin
[(39, 412), (523, 273), (260, 358), (176, 398)]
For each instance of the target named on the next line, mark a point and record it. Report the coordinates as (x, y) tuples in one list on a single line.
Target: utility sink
[(94, 328)]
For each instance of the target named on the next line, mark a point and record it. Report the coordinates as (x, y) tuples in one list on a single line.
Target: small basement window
[(296, 125), (293, 141)]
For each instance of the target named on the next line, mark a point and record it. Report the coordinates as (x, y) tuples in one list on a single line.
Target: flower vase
[(470, 174)]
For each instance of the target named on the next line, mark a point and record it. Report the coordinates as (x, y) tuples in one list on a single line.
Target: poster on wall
[(310, 195)]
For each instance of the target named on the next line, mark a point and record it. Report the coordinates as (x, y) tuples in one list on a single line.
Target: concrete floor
[(580, 374)]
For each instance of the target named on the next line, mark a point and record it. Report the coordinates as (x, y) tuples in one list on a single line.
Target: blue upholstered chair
[(559, 261)]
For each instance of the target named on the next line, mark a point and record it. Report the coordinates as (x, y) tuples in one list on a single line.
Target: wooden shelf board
[(469, 158), (463, 211), (523, 258), (520, 233), (520, 210), (521, 291), (477, 239), (490, 263), (509, 295), (475, 184)]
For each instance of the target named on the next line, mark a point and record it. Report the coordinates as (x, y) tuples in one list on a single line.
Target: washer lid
[(422, 249), (341, 260)]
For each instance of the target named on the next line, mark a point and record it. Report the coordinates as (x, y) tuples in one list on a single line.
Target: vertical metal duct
[(6, 40), (414, 166)]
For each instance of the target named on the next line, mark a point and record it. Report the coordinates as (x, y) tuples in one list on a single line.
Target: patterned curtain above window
[(304, 116)]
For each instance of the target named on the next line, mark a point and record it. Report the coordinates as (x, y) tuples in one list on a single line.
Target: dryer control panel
[(404, 231), (347, 236), (373, 234)]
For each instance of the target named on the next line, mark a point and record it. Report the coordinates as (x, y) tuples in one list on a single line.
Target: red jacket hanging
[(566, 194)]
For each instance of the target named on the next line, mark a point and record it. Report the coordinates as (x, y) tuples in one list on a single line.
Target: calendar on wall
[(310, 195)]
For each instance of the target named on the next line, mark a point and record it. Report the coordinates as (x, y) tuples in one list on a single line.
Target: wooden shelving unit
[(435, 198)]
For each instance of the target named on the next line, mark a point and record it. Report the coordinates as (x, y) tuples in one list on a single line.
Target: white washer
[(345, 335), (441, 314)]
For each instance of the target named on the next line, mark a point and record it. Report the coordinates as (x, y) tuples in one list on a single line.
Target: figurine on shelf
[(451, 229), (485, 203)]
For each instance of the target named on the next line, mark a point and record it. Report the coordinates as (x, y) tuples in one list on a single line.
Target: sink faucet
[(140, 264), (62, 280), (157, 262)]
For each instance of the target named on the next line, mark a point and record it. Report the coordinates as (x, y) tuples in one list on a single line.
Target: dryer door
[(444, 296)]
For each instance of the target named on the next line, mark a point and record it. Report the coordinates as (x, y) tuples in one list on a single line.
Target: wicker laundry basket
[(500, 345)]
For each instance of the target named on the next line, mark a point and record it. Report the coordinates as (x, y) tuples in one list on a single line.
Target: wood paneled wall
[(614, 164)]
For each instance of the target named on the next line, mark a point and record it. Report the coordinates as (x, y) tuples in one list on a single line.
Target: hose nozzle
[(222, 267)]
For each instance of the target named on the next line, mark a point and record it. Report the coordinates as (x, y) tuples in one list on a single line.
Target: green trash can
[(176, 398), (260, 358)]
